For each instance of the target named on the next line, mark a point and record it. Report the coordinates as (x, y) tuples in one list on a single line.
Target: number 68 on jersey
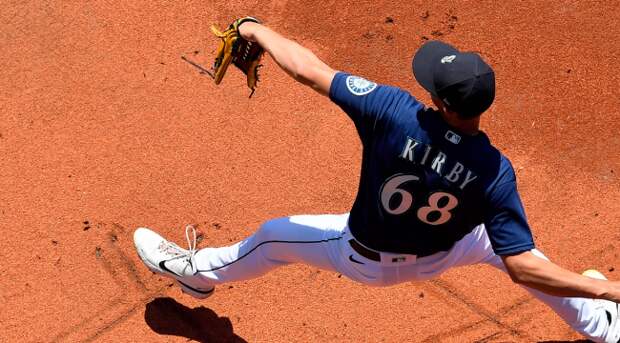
[(436, 210)]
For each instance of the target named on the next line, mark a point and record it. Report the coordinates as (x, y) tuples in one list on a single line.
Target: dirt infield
[(105, 128)]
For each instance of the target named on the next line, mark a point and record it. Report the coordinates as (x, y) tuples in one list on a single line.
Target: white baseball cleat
[(611, 308), (168, 259)]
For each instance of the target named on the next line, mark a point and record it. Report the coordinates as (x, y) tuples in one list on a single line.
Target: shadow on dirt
[(167, 317), (576, 341)]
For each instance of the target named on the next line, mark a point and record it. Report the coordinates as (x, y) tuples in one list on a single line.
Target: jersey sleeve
[(365, 102), (505, 221)]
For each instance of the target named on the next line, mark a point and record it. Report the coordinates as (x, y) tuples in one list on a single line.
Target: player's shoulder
[(359, 86), (503, 173), (507, 172), (494, 167)]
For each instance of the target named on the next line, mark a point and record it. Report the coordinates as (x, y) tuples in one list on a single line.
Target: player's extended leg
[(308, 239), (586, 316), (315, 240)]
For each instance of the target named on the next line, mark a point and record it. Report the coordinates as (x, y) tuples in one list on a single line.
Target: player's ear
[(439, 104)]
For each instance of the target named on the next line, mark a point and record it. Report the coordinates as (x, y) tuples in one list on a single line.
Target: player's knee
[(269, 230)]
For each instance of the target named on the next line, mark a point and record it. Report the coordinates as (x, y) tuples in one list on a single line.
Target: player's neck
[(470, 127)]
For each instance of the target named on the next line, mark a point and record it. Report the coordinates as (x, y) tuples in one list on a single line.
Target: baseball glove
[(244, 54)]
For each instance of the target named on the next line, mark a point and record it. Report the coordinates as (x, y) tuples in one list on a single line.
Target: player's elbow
[(306, 66), (518, 276), (306, 72), (298, 62), (519, 268), (300, 73)]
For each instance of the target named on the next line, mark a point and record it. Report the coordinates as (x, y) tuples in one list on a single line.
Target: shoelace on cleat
[(177, 252), (192, 246)]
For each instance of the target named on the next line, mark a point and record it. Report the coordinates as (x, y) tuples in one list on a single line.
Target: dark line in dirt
[(112, 304), (121, 318), (198, 66), (107, 265), (115, 322), (120, 227), (520, 302), (131, 267), (475, 308), (487, 338), (133, 274), (454, 332), (116, 302)]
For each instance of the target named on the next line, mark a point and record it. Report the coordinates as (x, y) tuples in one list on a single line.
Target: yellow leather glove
[(244, 54)]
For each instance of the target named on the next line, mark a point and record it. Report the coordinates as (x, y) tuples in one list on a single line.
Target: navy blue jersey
[(423, 185)]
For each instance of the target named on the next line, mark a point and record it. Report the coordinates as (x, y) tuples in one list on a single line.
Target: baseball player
[(434, 194)]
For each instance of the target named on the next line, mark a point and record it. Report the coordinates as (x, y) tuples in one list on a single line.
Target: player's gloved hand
[(244, 54)]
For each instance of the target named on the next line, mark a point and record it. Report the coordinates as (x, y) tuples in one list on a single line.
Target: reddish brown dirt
[(105, 128)]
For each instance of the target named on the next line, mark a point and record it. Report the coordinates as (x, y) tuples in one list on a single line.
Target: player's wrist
[(613, 291)]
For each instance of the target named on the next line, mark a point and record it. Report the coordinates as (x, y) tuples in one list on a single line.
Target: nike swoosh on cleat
[(354, 260), (162, 265)]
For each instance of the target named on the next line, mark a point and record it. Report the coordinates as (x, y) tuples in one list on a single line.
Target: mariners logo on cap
[(360, 86), (447, 59)]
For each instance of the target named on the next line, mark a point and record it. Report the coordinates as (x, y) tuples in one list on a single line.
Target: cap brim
[(425, 59)]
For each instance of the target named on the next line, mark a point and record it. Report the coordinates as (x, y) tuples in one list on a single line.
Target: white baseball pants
[(322, 241)]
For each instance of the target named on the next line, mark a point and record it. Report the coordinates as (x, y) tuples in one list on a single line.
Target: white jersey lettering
[(426, 153), (458, 174), (468, 178), (408, 150), (438, 162), (455, 173)]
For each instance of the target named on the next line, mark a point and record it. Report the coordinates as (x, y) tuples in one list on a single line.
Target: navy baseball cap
[(462, 80)]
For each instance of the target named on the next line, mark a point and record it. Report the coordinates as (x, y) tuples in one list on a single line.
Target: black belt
[(360, 249), (373, 255)]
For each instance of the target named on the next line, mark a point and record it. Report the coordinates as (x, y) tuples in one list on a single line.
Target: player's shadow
[(167, 317)]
